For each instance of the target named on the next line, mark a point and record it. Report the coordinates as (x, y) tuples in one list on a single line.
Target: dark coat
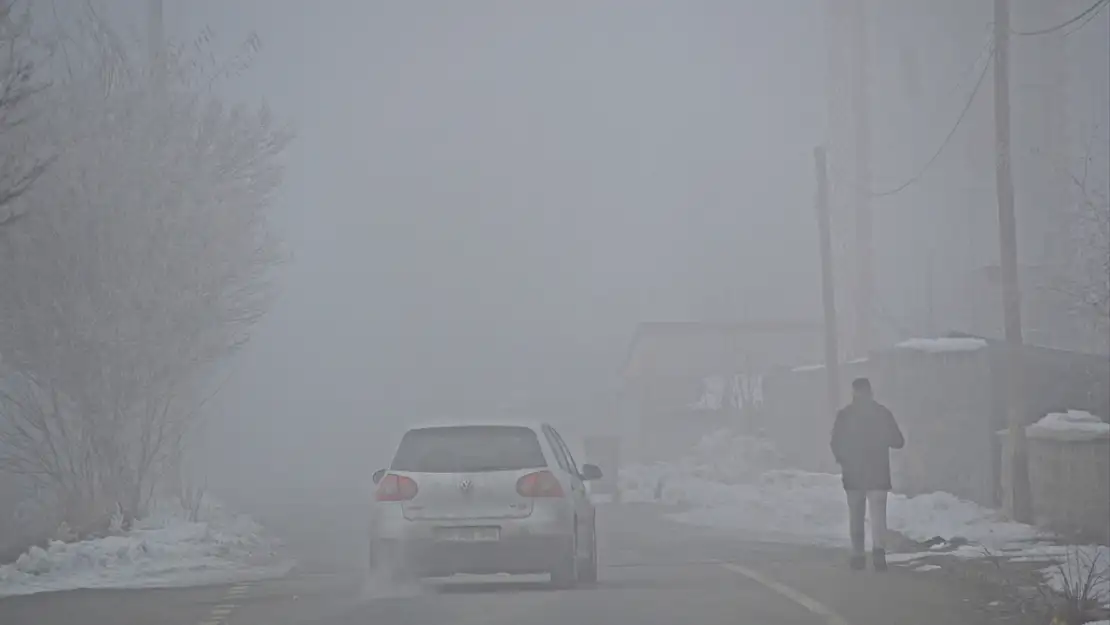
[(863, 435)]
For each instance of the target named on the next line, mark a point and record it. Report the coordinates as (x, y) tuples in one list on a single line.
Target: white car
[(485, 498)]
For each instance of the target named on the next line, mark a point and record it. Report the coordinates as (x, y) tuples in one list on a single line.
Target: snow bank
[(1074, 425), (803, 507), (943, 515), (941, 345), (161, 551), (738, 484)]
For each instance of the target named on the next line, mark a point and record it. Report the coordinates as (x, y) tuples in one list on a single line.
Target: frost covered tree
[(143, 261), (21, 158), (1084, 279)]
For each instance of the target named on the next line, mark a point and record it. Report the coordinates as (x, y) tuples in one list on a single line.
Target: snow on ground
[(164, 550), (740, 484), (948, 344), (1074, 425)]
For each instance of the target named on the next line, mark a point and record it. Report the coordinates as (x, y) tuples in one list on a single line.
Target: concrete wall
[(797, 415), (944, 403), (949, 405), (1070, 486)]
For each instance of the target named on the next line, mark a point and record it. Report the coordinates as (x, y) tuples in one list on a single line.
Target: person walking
[(863, 435)]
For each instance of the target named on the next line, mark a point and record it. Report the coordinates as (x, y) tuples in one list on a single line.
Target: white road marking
[(219, 613), (814, 606)]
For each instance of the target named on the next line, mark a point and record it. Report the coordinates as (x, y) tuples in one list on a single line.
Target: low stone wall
[(1070, 486)]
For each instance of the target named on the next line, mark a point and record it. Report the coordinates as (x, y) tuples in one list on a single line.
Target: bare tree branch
[(142, 260), (20, 164)]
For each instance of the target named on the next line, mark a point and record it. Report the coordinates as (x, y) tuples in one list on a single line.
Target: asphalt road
[(653, 573)]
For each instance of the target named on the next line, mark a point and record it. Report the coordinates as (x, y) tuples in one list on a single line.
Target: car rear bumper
[(512, 555), (534, 544)]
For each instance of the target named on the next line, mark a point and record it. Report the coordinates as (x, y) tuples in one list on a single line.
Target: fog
[(483, 203), (483, 200)]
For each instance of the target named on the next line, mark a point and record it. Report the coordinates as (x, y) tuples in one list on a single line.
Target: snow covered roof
[(819, 367), (944, 344)]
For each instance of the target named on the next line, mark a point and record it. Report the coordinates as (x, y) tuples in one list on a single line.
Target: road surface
[(653, 573)]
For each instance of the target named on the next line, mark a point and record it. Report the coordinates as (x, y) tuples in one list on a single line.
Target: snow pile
[(737, 484), (942, 345), (1072, 426), (804, 507), (163, 550), (782, 505), (943, 515)]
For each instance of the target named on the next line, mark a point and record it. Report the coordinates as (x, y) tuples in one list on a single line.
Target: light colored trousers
[(859, 501)]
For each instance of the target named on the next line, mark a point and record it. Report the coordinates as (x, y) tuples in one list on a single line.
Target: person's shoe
[(858, 563), (878, 559)]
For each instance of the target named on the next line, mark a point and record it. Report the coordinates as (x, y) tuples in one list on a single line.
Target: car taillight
[(539, 484), (396, 488)]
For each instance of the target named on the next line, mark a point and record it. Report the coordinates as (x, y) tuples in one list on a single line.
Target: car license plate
[(468, 534)]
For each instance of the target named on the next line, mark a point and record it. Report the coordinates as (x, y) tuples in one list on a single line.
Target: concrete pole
[(828, 293), (155, 39), (1017, 497), (861, 114)]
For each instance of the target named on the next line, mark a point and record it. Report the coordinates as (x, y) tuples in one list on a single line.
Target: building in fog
[(683, 380)]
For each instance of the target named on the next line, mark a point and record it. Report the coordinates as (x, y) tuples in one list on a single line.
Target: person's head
[(861, 388)]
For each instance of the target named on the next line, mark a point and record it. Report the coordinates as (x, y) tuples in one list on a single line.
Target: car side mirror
[(590, 472), (378, 475)]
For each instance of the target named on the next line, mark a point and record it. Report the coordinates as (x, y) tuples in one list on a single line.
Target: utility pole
[(828, 293), (861, 114), (155, 40), (1017, 496)]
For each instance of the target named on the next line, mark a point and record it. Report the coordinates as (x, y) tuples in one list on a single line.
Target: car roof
[(465, 422)]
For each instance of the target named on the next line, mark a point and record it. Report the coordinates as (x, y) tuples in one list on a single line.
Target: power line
[(1084, 22), (948, 138), (1087, 15), (969, 71)]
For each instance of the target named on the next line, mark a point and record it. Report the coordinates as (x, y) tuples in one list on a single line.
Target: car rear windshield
[(469, 449)]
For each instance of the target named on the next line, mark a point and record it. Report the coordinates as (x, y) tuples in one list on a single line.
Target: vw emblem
[(465, 486)]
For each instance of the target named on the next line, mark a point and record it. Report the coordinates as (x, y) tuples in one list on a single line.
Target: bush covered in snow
[(162, 550)]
